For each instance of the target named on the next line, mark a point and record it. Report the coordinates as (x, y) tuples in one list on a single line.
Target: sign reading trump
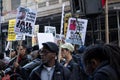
[(25, 21)]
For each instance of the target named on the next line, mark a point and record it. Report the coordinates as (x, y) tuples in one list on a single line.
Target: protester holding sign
[(66, 53)]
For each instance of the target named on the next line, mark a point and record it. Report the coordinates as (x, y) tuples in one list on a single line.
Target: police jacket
[(60, 73)]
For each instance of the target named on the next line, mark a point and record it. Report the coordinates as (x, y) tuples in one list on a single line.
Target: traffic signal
[(86, 7), (77, 6), (93, 7)]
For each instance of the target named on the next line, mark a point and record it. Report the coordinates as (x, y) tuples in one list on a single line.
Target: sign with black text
[(76, 31), (25, 21), (50, 29)]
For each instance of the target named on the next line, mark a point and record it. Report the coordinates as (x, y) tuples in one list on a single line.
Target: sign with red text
[(76, 31)]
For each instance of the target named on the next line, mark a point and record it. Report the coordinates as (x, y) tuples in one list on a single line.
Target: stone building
[(49, 14)]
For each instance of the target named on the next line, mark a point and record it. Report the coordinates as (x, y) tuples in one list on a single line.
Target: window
[(15, 4)]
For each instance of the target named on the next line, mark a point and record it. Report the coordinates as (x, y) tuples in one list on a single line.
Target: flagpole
[(106, 22), (61, 31)]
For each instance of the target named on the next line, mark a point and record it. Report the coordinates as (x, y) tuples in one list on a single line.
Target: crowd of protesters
[(95, 62)]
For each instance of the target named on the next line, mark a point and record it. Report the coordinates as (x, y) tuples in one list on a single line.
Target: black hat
[(36, 47), (51, 46)]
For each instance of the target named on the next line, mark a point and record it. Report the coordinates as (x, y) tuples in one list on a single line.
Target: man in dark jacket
[(26, 70), (50, 69), (66, 52)]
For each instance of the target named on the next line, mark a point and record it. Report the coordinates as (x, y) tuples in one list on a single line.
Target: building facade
[(49, 14)]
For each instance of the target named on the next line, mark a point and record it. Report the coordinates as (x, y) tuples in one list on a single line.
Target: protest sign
[(50, 29), (36, 30), (34, 40), (59, 38), (44, 37), (20, 37), (11, 34), (66, 18), (25, 21), (34, 37), (76, 31)]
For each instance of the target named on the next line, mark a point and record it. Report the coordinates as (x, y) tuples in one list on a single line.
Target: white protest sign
[(59, 38), (44, 37), (25, 21), (8, 45), (34, 37), (76, 31), (20, 37), (50, 29)]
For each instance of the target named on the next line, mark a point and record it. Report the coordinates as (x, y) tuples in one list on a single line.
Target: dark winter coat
[(75, 70), (105, 72), (26, 70), (60, 73)]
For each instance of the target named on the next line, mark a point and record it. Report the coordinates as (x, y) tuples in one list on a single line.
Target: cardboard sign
[(50, 29), (25, 21), (76, 31), (20, 37), (11, 34), (44, 37)]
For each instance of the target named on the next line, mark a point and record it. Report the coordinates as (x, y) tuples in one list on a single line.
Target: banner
[(25, 21), (11, 34), (50, 29), (76, 31)]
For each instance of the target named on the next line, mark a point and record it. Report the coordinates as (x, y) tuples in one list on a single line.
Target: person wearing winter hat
[(49, 69), (66, 53)]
